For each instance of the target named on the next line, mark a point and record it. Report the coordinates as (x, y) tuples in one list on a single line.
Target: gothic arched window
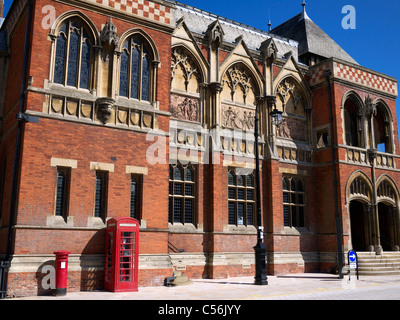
[(73, 54), (382, 132), (135, 69), (351, 124)]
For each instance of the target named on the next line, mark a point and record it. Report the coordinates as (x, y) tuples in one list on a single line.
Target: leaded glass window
[(73, 54), (136, 187), (241, 199), (62, 192), (135, 69), (182, 194), (100, 201), (294, 205)]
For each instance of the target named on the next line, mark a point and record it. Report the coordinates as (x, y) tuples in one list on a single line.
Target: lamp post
[(260, 249)]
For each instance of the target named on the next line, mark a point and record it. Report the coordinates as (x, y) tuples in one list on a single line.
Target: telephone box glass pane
[(126, 257)]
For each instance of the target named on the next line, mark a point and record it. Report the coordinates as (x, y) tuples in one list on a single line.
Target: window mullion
[(140, 75), (67, 54), (129, 75), (78, 65)]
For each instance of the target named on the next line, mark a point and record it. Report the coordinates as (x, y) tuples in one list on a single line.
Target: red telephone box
[(122, 255)]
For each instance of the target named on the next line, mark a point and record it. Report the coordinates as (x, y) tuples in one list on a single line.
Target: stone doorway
[(386, 226), (359, 226)]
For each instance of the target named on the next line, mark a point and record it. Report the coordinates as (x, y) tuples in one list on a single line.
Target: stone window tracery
[(185, 86), (136, 69), (238, 98), (184, 71), (291, 101), (73, 54)]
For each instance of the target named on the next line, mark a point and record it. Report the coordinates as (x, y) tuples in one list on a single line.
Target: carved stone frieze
[(237, 118), (185, 108), (293, 129)]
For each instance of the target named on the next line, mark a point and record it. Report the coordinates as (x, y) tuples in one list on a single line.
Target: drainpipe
[(327, 75), (21, 118)]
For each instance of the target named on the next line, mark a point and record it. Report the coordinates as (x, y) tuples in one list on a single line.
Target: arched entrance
[(386, 226), (359, 225), (388, 214)]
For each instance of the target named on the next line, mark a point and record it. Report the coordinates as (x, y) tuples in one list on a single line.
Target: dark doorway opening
[(359, 226), (386, 226)]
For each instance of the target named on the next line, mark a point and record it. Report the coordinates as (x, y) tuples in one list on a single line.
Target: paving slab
[(284, 287)]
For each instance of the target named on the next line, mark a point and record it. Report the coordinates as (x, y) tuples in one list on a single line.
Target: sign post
[(353, 261)]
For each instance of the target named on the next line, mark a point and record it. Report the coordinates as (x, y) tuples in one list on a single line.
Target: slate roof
[(198, 22), (311, 38)]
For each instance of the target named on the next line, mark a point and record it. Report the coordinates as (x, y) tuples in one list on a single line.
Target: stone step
[(370, 264)]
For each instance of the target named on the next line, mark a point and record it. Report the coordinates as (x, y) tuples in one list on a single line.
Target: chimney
[(1, 8)]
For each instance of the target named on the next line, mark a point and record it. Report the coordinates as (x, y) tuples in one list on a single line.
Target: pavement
[(285, 287)]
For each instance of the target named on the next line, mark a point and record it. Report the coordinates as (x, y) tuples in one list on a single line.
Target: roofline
[(235, 23)]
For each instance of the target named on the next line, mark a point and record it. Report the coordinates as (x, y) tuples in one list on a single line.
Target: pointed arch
[(54, 29), (291, 91), (387, 190), (137, 66), (352, 110), (145, 35), (74, 37), (187, 62), (239, 74), (359, 187), (383, 127)]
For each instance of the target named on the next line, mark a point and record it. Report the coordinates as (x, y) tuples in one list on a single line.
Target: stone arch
[(239, 75), (383, 127), (359, 187), (183, 59), (387, 190), (292, 97), (352, 112), (145, 35), (71, 14)]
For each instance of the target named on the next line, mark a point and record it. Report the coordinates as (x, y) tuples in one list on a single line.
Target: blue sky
[(375, 43)]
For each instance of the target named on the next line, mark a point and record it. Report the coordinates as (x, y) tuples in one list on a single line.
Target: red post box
[(122, 255), (61, 272)]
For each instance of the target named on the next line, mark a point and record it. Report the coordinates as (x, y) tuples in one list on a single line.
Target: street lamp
[(276, 115), (260, 249)]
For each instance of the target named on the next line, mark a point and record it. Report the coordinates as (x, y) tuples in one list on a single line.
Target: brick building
[(146, 109)]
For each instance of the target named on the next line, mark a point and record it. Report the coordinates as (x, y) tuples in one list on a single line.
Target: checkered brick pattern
[(316, 73), (143, 8), (365, 78)]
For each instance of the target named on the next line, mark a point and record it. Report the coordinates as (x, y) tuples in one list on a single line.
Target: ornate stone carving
[(370, 106), (237, 76), (189, 68), (285, 88), (185, 108), (109, 33), (105, 107), (237, 118)]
